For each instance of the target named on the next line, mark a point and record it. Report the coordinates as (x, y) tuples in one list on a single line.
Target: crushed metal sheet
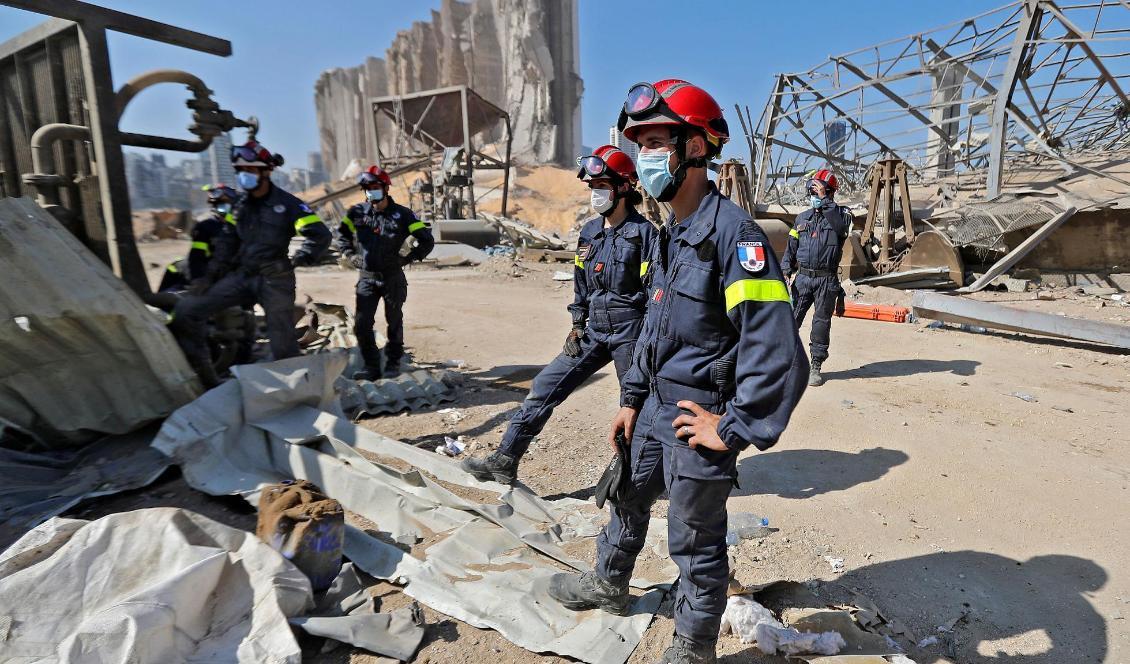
[(521, 234), (496, 552), (80, 355), (413, 390), (958, 310), (38, 486)]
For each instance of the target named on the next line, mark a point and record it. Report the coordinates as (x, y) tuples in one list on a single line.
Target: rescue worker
[(250, 262), (607, 310), (179, 275), (718, 367), (379, 237), (812, 262)]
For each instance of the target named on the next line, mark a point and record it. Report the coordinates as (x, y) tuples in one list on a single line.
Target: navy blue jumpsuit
[(179, 274), (377, 236), (609, 302), (717, 297), (816, 244), (250, 264)]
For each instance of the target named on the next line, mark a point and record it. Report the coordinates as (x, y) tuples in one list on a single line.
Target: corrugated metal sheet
[(80, 354)]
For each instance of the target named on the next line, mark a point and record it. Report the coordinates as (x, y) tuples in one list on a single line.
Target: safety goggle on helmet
[(673, 102), (252, 154), (607, 162)]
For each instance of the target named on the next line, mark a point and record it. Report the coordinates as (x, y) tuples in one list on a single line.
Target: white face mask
[(602, 200)]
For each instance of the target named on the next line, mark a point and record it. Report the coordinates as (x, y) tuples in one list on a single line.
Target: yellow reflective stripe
[(349, 224), (793, 233), (413, 227), (306, 221), (756, 290), (172, 268), (643, 267), (578, 262), (229, 218), (203, 246)]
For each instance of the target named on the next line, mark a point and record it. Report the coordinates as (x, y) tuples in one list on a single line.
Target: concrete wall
[(1097, 240), (521, 55)]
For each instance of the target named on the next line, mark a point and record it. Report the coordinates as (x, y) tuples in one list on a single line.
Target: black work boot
[(368, 373), (499, 467), (581, 592), (204, 371), (685, 651), (814, 377)]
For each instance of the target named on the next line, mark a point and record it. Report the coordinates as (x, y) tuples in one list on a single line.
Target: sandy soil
[(945, 495)]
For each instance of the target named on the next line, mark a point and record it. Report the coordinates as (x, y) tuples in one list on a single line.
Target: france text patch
[(752, 256)]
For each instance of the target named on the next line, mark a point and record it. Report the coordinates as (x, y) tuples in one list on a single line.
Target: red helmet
[(673, 102), (826, 176), (252, 153), (607, 162), (374, 176)]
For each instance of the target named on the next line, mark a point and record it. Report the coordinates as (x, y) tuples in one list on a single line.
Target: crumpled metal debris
[(498, 548), (38, 486)]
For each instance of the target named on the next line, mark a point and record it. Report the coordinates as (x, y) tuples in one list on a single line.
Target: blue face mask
[(247, 181), (374, 195), (816, 202), (654, 171)]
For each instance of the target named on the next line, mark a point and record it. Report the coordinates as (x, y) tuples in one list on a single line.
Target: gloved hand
[(199, 285), (573, 342)]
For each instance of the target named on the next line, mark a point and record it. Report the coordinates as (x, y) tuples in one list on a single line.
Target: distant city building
[(217, 162), (621, 141)]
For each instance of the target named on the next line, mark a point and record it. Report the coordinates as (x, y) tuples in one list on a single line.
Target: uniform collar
[(701, 223)]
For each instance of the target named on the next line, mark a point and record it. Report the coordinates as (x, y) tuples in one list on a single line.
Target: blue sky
[(730, 47)]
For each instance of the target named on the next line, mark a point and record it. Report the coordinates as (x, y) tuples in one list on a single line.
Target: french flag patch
[(751, 255)]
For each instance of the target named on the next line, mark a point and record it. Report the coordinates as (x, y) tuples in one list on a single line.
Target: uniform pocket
[(696, 311)]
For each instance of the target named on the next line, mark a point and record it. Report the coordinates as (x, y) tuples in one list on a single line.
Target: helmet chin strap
[(680, 172)]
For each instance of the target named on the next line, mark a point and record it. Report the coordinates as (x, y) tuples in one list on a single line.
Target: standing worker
[(816, 244), (250, 262), (719, 367), (379, 237), (179, 275), (607, 310)]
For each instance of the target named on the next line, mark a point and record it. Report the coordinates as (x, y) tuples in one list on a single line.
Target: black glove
[(573, 342), (200, 285)]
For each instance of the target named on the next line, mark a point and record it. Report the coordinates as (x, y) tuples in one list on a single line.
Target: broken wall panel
[(80, 354)]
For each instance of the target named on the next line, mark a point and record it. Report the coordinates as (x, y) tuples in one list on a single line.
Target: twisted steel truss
[(1034, 90)]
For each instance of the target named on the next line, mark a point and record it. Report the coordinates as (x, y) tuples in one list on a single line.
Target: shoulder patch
[(751, 255), (583, 251), (280, 208)]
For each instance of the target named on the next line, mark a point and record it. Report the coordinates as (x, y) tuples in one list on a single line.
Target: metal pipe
[(136, 84), (165, 143), (43, 158)]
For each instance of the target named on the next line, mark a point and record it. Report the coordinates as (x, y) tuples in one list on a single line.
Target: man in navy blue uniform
[(250, 262), (379, 237), (812, 261), (718, 367), (179, 275), (607, 309)]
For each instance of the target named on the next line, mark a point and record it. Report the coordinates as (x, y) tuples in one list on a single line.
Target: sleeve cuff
[(730, 437), (631, 401)]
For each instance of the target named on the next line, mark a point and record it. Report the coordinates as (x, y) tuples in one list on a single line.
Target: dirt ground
[(947, 497)]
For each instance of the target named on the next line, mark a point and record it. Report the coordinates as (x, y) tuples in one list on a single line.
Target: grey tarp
[(168, 585), (489, 562), (80, 355)]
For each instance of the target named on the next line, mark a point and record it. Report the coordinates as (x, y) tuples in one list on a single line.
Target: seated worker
[(179, 274), (607, 310)]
